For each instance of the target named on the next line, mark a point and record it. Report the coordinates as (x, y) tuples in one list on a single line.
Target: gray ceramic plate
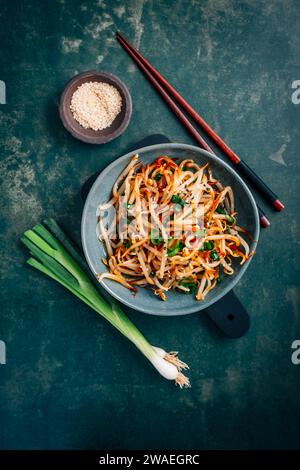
[(145, 301)]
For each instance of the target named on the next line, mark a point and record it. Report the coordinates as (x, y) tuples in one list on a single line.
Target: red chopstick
[(263, 218), (269, 195)]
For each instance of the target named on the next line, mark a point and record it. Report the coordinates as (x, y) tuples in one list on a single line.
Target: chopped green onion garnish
[(189, 284), (177, 208), (214, 255), (209, 245), (176, 199), (175, 249), (220, 210), (230, 219), (158, 177), (156, 237)]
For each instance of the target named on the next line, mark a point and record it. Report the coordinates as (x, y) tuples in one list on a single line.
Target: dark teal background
[(70, 380)]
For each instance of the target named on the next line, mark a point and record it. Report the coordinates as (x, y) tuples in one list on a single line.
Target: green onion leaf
[(176, 199), (50, 256), (177, 208), (58, 258)]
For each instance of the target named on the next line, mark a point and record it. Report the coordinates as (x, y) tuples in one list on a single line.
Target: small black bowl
[(117, 127)]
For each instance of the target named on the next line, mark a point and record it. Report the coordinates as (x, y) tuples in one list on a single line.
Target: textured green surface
[(71, 381)]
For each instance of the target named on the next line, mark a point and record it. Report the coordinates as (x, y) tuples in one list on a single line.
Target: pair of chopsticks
[(165, 89)]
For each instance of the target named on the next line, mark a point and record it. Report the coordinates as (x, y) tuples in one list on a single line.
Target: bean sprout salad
[(171, 225)]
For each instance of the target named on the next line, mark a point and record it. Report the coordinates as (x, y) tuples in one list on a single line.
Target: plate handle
[(230, 316)]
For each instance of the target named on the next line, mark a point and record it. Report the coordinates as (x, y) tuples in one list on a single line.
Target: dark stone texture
[(71, 381)]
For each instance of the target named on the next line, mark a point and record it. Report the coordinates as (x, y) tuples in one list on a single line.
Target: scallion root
[(173, 358), (182, 381), (170, 366)]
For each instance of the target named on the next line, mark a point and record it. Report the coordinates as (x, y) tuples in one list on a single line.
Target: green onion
[(209, 245), (214, 255), (220, 210), (189, 284), (128, 243), (230, 219), (156, 237), (69, 246), (158, 177), (128, 206), (60, 260), (177, 199), (176, 248)]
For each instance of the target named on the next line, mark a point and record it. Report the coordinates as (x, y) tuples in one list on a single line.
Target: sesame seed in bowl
[(95, 107)]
